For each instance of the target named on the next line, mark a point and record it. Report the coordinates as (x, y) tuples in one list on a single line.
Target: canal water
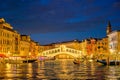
[(59, 70)]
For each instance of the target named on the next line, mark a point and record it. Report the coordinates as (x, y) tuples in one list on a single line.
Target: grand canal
[(59, 70)]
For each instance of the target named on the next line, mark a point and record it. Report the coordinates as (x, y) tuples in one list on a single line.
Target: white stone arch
[(62, 50), (68, 53)]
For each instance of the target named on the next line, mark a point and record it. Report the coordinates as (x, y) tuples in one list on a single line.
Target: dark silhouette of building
[(109, 30)]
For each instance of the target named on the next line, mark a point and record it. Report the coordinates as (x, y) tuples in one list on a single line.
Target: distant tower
[(108, 28)]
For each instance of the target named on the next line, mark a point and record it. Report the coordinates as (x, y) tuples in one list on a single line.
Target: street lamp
[(29, 53), (9, 54)]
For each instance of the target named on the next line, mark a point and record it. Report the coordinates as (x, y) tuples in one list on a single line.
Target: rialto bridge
[(62, 50)]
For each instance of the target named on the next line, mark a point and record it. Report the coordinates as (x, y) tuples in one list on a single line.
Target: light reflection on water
[(59, 69)]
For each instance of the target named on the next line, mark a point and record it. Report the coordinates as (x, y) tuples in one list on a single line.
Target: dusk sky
[(50, 21)]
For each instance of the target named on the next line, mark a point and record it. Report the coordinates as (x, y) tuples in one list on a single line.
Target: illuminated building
[(89, 46), (37, 51), (24, 45), (14, 44), (71, 44), (114, 42), (28, 47), (102, 47), (84, 46), (9, 39), (32, 48)]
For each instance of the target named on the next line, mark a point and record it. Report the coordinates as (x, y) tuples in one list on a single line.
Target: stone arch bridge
[(62, 50)]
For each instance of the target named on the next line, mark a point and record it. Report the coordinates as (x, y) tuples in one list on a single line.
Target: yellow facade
[(83, 46), (32, 48), (28, 47), (71, 44), (89, 46), (93, 47), (25, 45), (114, 42), (37, 51), (9, 39), (44, 48), (102, 47)]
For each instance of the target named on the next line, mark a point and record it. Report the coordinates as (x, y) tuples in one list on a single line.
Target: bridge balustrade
[(62, 49)]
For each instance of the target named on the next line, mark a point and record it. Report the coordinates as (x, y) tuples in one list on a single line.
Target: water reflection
[(59, 69)]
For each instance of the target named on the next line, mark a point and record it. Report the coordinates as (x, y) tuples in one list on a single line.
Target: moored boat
[(29, 61), (45, 58), (112, 62), (19, 59), (76, 61)]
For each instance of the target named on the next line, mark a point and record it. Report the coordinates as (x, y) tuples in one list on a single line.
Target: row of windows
[(7, 42), (24, 49), (102, 43), (104, 48), (5, 50), (7, 35), (98, 43)]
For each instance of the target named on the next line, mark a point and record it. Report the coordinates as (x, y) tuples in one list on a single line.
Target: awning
[(2, 55)]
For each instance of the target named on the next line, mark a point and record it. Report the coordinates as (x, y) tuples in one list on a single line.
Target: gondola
[(112, 62), (29, 61), (76, 62)]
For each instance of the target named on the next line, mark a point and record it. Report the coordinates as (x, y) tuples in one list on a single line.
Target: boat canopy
[(3, 55)]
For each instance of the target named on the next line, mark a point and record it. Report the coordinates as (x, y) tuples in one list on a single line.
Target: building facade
[(71, 44), (9, 39), (25, 45), (102, 47), (114, 42)]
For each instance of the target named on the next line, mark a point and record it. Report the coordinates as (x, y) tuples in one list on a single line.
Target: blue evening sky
[(50, 21)]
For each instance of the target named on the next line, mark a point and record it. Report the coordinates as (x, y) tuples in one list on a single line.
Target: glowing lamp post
[(29, 53), (9, 54)]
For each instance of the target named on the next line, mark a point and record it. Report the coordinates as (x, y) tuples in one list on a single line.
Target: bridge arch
[(62, 50)]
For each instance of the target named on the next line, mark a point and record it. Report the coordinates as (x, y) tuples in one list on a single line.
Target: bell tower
[(108, 28)]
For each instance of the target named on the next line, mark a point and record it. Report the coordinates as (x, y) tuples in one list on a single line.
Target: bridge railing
[(57, 50), (51, 51), (73, 51)]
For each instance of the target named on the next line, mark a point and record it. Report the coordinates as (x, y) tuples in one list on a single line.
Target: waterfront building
[(32, 48), (9, 39), (25, 45), (71, 44), (102, 47), (37, 49), (83, 45), (90, 46), (45, 47), (114, 42)]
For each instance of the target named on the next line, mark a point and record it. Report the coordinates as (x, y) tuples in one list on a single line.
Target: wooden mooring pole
[(108, 60)]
